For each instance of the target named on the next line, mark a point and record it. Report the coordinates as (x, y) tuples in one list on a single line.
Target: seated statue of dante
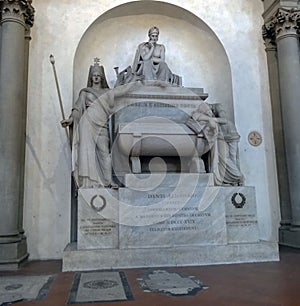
[(149, 61)]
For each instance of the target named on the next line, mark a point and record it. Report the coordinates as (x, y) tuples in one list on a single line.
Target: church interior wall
[(234, 71)]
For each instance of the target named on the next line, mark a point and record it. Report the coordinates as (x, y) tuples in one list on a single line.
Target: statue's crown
[(96, 67)]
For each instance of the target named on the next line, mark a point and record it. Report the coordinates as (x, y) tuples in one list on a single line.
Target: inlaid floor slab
[(91, 287), (19, 288)]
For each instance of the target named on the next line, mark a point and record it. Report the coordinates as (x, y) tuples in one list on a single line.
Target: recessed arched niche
[(193, 50)]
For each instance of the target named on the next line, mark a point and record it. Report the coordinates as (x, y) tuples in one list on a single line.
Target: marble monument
[(157, 171)]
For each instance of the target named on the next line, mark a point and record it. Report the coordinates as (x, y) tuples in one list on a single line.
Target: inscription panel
[(97, 219), (241, 216), (166, 217)]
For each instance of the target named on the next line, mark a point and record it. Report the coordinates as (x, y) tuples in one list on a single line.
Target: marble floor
[(257, 284)]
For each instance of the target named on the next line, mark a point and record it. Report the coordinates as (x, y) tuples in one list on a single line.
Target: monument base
[(183, 221), (84, 260)]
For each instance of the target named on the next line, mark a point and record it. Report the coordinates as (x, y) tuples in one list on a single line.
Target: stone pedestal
[(94, 230), (166, 220), (75, 260)]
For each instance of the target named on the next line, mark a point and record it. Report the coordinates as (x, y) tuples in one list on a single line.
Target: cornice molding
[(270, 10)]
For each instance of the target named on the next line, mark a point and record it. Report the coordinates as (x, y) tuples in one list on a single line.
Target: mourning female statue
[(149, 61), (223, 159), (228, 132), (91, 162)]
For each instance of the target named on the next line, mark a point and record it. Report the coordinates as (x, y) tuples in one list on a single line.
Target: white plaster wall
[(58, 29)]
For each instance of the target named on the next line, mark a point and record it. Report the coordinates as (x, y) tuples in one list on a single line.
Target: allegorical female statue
[(149, 61), (91, 156), (91, 161)]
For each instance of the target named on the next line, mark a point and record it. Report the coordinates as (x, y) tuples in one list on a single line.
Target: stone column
[(283, 185), (16, 15), (284, 24), (24, 117)]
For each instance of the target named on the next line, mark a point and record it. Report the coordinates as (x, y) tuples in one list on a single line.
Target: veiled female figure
[(223, 138), (228, 139), (91, 161)]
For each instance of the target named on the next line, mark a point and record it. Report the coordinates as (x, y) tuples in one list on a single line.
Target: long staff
[(74, 185), (52, 61)]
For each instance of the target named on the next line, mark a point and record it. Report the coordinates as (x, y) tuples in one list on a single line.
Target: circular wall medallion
[(255, 138)]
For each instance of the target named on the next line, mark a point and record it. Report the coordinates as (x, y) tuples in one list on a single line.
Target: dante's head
[(153, 34)]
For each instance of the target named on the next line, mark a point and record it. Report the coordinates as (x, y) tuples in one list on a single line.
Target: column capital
[(20, 11), (270, 39), (27, 33), (283, 23)]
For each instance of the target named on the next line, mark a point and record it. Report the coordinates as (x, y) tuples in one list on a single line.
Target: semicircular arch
[(193, 50)]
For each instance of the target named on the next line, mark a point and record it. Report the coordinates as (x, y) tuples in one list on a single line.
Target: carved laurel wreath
[(97, 207), (238, 204)]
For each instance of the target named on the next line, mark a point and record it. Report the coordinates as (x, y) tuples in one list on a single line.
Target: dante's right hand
[(66, 122)]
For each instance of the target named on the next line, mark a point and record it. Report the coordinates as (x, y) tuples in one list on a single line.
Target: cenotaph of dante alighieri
[(157, 172)]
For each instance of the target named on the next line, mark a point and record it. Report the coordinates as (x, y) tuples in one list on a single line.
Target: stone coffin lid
[(168, 93)]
